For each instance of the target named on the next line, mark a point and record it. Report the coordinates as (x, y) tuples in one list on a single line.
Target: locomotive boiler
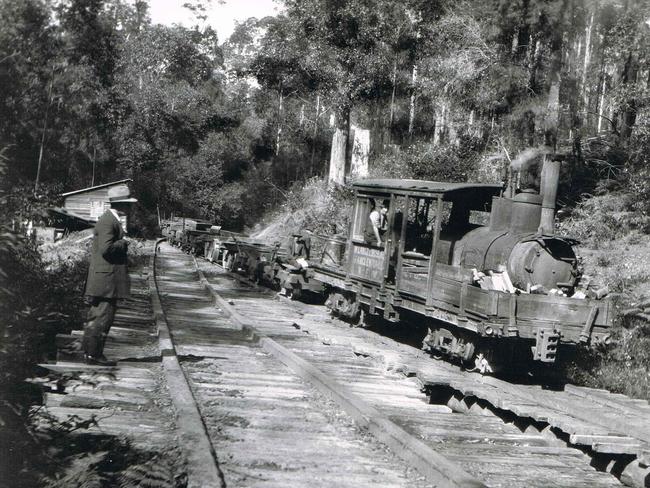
[(520, 239)]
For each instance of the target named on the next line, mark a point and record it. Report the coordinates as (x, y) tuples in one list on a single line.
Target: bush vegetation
[(613, 225), (451, 91), (323, 210), (41, 295), (36, 303), (621, 366), (427, 161)]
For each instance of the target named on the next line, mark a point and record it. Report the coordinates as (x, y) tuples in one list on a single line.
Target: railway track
[(255, 363), (268, 426), (268, 392)]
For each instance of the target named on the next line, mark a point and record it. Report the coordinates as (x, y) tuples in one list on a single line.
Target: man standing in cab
[(376, 224), (108, 277)]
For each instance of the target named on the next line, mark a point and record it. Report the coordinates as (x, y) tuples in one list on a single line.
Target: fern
[(155, 473), (83, 473)]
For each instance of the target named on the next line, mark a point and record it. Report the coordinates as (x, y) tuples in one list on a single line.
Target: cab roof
[(388, 185)]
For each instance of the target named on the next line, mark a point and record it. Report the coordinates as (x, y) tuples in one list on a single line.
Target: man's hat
[(120, 194)]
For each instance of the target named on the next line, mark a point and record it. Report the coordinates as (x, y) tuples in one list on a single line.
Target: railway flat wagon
[(284, 264), (188, 234), (257, 259), (216, 245)]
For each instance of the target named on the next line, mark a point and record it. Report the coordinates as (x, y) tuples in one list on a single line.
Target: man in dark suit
[(108, 277)]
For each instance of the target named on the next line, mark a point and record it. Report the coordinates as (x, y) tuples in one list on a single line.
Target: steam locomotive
[(481, 266)]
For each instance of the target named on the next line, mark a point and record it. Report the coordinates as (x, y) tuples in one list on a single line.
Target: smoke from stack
[(525, 158)]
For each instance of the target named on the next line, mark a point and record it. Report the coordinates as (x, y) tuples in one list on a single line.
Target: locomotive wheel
[(294, 293), (361, 319), (465, 348), (344, 306)]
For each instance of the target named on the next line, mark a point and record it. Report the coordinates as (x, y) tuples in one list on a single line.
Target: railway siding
[(268, 426)]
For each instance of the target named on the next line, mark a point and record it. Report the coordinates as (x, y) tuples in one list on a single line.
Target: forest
[(261, 128), (221, 129)]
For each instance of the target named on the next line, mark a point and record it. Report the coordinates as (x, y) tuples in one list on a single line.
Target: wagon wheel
[(230, 262), (360, 319)]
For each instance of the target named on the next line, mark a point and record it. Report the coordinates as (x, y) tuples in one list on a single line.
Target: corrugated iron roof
[(104, 185), (424, 186), (70, 219)]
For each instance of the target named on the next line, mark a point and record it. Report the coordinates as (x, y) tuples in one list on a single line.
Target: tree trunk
[(279, 130), (514, 44), (392, 104), (92, 182), (534, 65), (553, 113), (602, 87), (441, 113), (339, 154), (337, 157), (40, 152), (601, 105), (414, 75), (314, 137), (360, 153), (585, 67), (628, 110), (551, 122)]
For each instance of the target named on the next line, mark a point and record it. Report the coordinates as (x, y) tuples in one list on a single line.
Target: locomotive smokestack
[(548, 189)]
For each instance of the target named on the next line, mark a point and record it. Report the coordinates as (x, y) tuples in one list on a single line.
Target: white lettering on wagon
[(368, 263)]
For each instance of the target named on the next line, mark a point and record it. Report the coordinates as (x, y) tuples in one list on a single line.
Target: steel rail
[(195, 441)]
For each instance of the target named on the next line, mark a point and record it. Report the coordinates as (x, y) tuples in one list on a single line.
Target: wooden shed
[(90, 203)]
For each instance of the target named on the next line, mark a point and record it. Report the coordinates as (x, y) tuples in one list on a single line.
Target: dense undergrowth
[(613, 226), (38, 299)]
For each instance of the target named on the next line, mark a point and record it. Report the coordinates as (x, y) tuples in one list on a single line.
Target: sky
[(221, 15)]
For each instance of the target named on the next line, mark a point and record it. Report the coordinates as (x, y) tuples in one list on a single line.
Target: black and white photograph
[(324, 243)]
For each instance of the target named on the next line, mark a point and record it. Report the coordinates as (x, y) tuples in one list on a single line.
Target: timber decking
[(129, 400), (268, 426)]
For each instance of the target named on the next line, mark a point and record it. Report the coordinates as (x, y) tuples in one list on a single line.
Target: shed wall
[(90, 204)]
